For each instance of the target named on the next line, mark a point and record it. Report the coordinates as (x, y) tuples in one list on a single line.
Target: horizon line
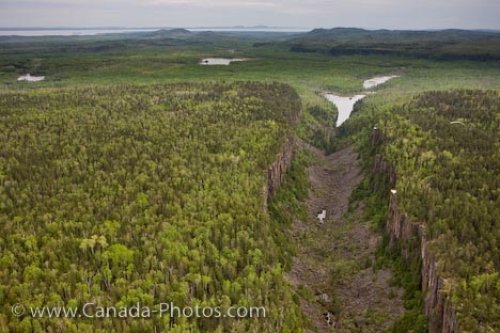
[(236, 27)]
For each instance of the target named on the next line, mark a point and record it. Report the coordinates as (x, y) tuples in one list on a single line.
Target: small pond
[(30, 78), (219, 61)]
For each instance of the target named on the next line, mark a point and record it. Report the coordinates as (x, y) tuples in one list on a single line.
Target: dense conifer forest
[(445, 148), (134, 173), (152, 194)]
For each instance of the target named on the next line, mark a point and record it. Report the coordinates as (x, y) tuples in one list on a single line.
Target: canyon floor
[(333, 268)]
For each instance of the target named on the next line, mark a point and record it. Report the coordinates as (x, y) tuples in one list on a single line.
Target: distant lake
[(57, 32), (220, 61), (87, 32)]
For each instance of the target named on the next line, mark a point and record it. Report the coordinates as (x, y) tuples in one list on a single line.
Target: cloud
[(279, 7), (213, 3), (397, 14)]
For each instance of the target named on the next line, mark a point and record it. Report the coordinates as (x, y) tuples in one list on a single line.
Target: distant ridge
[(343, 31), (172, 33), (439, 44)]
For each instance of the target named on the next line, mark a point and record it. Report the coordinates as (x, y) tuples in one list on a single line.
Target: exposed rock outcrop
[(438, 308), (437, 305), (277, 170)]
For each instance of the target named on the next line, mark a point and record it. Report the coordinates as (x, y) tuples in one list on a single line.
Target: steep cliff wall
[(277, 170), (438, 308)]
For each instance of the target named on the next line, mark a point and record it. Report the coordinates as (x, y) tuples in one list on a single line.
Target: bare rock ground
[(333, 266)]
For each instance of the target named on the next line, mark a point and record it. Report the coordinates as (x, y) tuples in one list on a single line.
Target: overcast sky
[(392, 14)]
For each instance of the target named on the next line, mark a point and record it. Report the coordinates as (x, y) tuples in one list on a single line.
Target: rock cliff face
[(277, 170), (438, 308)]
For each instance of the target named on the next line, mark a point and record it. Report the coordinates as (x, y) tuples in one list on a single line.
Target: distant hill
[(167, 33), (449, 44), (437, 44), (402, 36)]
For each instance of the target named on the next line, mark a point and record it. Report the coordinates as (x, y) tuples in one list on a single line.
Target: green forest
[(142, 194), (133, 174), (445, 149)]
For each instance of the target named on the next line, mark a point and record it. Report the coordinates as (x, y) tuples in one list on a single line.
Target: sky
[(370, 14)]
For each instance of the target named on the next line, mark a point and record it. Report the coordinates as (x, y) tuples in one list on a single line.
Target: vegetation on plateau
[(445, 148), (133, 174), (150, 194)]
